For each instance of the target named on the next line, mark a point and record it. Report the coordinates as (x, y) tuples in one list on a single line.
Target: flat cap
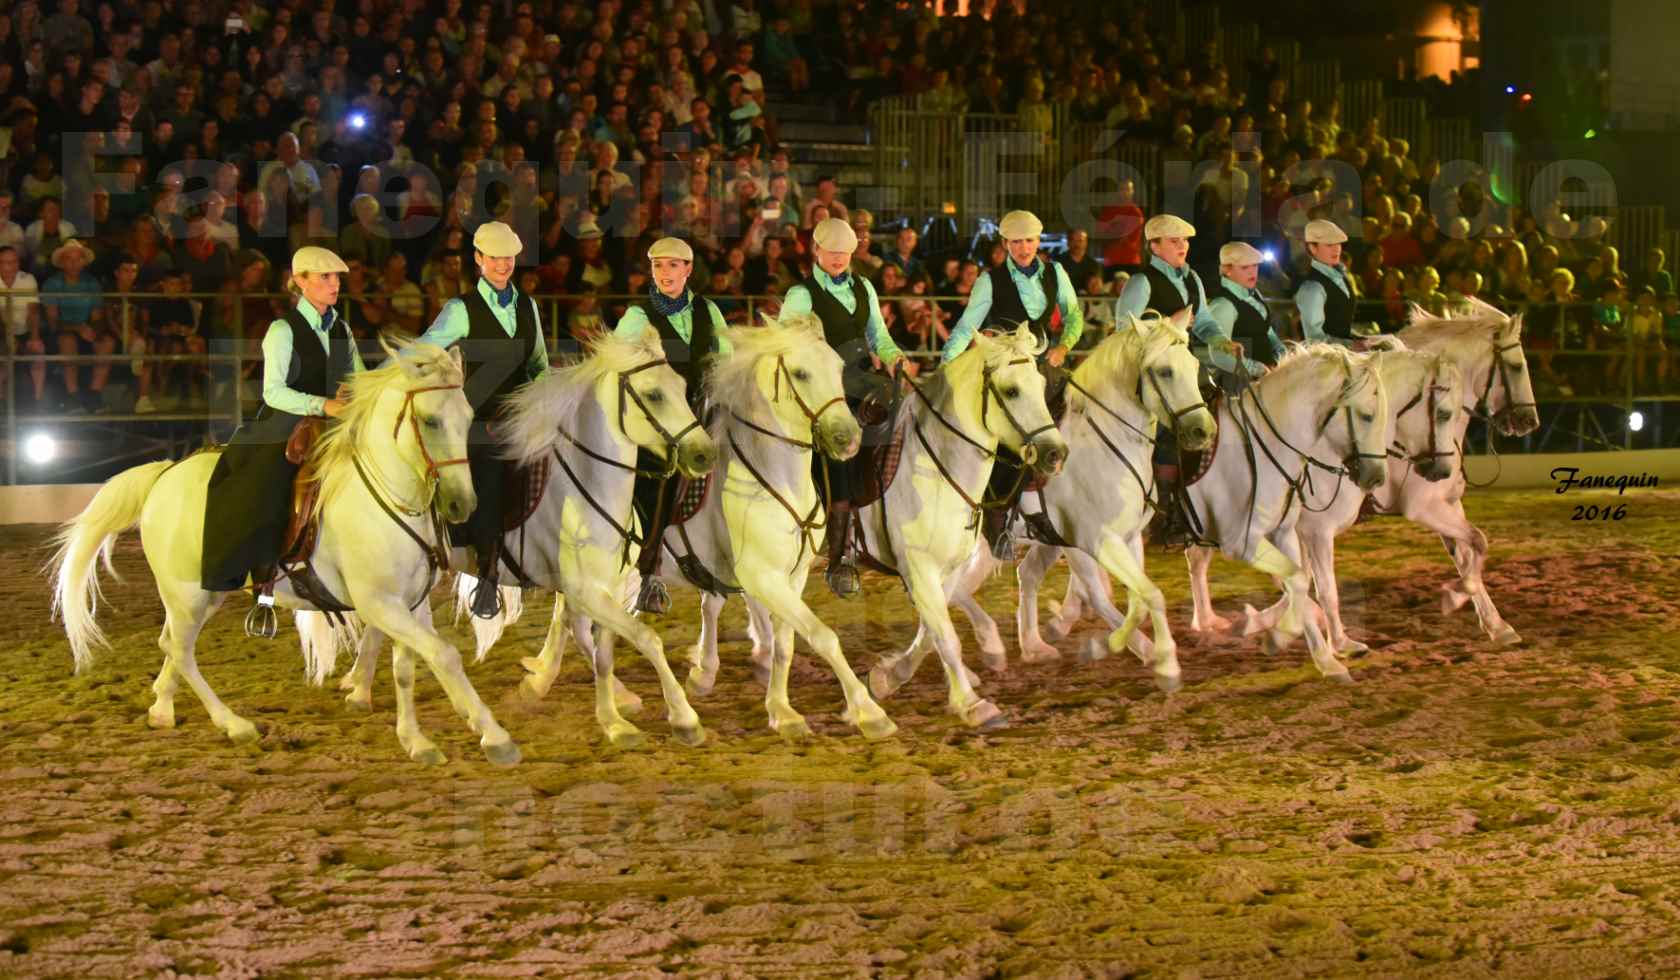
[(1168, 226)]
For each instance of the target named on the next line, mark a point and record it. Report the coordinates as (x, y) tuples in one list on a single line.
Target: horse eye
[(433, 422), (655, 396), (800, 374), (1444, 416), (1011, 391), (1367, 417), (1165, 372)]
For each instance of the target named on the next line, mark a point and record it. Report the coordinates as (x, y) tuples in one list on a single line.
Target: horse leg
[(784, 721), (1093, 582), (542, 669), (893, 672), (1029, 575), (413, 629), (418, 746), (784, 599), (1202, 616), (1119, 558), (965, 584), (162, 712), (1301, 616), (1468, 547), (603, 607), (619, 731), (1319, 549), (187, 615), (703, 656), (763, 634), (359, 679), (928, 594)]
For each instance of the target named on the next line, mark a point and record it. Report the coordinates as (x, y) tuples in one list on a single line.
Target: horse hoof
[(997, 662), (1038, 653), (1350, 646), (691, 736), (505, 754), (429, 756), (1340, 677), (696, 685), (877, 728), (359, 701), (1506, 636), (1093, 651), (628, 704), (528, 690), (1169, 683), (881, 684), (160, 721), (626, 738), (242, 732), (793, 730), (986, 717), (347, 682)]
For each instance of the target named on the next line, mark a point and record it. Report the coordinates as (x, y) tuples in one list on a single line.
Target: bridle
[(1174, 415), (989, 392), (814, 418), (1398, 450), (671, 441), (1305, 479), (1479, 409)]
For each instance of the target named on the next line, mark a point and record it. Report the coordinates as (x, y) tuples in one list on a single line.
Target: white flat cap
[(835, 235), (1322, 232), (1017, 225), (496, 240), (1239, 253), (1168, 226), (671, 248), (314, 258)]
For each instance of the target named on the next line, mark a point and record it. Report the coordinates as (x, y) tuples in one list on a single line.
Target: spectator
[(1078, 261), (169, 330), (827, 189), (447, 281), (74, 307), (20, 313), (782, 58), (1655, 273), (1400, 250), (1668, 346), (903, 255), (395, 303), (11, 233), (368, 239), (45, 235), (1608, 331), (1121, 228), (1645, 334)]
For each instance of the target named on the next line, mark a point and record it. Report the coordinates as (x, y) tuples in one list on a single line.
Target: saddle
[(1194, 464), (878, 461), (303, 528), (690, 498), (522, 492)]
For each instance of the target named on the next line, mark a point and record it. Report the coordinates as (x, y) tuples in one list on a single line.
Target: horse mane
[(1484, 323), (1358, 366), (730, 384), (1121, 353), (536, 411), (334, 450)]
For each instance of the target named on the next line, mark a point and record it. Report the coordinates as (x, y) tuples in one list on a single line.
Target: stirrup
[(261, 622), (487, 599), (842, 578), (653, 598)]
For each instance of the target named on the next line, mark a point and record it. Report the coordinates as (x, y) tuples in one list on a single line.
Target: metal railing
[(1608, 374)]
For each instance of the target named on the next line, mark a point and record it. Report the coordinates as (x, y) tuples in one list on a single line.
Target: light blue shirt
[(1309, 299), (1134, 299), (1224, 314), (798, 300), (277, 361), (1031, 290), (635, 320), (452, 324)]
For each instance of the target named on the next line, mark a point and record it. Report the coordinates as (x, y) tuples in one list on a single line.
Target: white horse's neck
[(784, 467), (393, 463), (1297, 419), (968, 467)]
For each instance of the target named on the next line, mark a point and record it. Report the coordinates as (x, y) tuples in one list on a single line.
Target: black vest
[(494, 362), (846, 332), (310, 372), (680, 352), (1163, 295), (1338, 305), (1250, 330), (1009, 312)]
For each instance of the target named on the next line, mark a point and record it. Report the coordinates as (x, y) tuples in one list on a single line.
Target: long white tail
[(486, 632), (83, 541), (321, 641)]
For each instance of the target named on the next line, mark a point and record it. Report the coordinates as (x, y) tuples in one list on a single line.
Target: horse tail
[(486, 632), (322, 637), (86, 539)]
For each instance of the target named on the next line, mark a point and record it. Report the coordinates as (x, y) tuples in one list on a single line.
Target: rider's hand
[(1056, 355), (333, 407)]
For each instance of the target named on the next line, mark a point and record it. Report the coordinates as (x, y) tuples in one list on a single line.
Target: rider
[(851, 317), (306, 354), (1025, 289), (500, 335), (689, 341), (1244, 320), (1167, 285), (1325, 298)]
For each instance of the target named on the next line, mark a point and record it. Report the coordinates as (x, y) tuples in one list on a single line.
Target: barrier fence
[(1589, 381)]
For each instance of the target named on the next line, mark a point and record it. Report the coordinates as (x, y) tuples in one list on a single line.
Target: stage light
[(1636, 421), (1269, 255), (1590, 134), (1510, 90), (40, 448), (1527, 97), (358, 120)]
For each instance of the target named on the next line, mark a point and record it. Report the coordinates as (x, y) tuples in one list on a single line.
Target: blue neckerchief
[(1182, 273), (841, 279), (1027, 271), (664, 305), (504, 296)]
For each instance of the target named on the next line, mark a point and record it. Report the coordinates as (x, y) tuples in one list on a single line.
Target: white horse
[(1139, 378), (927, 523), (1425, 395), (1320, 400), (385, 465), (589, 419), (775, 400), (1487, 346)]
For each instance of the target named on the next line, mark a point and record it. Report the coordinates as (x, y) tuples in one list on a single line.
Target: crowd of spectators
[(234, 133)]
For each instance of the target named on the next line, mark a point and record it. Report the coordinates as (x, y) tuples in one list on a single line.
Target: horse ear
[(1517, 326), (395, 353), (1416, 313), (455, 356), (1182, 318)]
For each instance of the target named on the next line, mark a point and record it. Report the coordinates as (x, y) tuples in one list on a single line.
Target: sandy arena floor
[(1458, 812)]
